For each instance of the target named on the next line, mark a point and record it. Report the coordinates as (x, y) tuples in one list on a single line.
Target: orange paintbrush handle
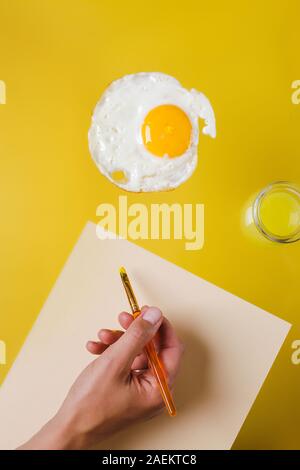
[(159, 374)]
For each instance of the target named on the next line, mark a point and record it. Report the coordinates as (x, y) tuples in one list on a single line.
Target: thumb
[(133, 341)]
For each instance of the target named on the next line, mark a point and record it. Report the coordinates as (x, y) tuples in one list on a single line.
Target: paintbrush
[(150, 350)]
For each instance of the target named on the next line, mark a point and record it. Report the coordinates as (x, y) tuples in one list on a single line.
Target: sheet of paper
[(230, 347)]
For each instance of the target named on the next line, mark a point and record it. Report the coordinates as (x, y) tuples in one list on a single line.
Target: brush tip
[(122, 270)]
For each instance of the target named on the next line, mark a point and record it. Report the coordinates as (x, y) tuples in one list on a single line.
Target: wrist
[(66, 435), (57, 434)]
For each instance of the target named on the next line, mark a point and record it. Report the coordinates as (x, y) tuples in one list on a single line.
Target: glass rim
[(290, 187)]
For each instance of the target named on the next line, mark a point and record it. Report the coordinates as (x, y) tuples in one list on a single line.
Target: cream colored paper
[(230, 347)]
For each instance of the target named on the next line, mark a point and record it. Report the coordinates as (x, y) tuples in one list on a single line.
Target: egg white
[(115, 135)]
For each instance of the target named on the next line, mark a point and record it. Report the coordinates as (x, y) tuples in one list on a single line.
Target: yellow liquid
[(279, 213)]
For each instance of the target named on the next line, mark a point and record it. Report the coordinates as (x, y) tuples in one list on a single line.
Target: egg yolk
[(167, 131)]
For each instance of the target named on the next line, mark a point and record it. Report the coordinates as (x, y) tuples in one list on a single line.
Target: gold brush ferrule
[(129, 292)]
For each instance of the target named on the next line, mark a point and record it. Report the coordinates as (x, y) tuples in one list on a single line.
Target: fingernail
[(152, 315)]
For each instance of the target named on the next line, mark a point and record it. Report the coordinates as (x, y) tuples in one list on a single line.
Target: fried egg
[(144, 132)]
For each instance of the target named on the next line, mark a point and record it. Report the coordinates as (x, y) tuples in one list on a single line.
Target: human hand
[(117, 388)]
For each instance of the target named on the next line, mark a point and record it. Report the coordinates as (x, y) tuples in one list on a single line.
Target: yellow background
[(56, 58)]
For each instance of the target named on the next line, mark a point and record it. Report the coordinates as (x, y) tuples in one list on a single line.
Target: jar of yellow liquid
[(275, 213)]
